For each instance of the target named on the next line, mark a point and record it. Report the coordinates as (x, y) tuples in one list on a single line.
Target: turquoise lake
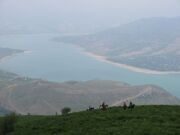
[(56, 61)]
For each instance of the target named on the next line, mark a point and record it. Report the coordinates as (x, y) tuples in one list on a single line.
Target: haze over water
[(56, 61)]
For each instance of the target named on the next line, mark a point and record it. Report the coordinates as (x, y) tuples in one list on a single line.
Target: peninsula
[(146, 45)]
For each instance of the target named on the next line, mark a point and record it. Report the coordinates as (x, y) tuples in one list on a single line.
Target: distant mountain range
[(35, 96), (152, 44)]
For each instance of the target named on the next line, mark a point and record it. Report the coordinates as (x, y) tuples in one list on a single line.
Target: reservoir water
[(56, 61)]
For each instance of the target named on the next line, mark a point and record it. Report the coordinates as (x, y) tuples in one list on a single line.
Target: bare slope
[(36, 96)]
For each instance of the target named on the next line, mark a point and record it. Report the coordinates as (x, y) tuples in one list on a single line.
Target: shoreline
[(7, 57), (13, 54), (128, 67)]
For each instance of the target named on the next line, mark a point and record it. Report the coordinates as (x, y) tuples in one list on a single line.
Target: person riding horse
[(103, 106), (131, 105), (124, 106)]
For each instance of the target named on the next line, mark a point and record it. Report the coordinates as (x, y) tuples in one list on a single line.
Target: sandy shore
[(131, 68), (27, 51), (7, 57)]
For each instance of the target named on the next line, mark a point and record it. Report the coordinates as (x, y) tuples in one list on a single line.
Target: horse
[(90, 108)]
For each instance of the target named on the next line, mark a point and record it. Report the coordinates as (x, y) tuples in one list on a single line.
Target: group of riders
[(104, 106)]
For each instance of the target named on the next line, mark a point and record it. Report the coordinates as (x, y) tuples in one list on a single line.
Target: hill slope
[(37, 96), (148, 43), (143, 120)]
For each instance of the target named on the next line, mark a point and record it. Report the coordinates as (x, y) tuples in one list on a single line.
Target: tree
[(65, 110)]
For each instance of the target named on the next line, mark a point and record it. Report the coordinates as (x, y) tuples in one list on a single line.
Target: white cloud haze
[(83, 13)]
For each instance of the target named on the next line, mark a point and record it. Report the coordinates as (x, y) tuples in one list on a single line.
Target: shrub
[(65, 110), (7, 123)]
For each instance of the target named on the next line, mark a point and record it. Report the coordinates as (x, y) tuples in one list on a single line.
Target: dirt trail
[(9, 99), (149, 89)]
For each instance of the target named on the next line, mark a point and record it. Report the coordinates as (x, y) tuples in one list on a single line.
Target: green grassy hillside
[(143, 120)]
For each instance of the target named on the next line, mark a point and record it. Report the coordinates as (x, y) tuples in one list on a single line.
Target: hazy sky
[(83, 14)]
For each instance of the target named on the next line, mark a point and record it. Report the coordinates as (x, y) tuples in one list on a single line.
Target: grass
[(143, 120)]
